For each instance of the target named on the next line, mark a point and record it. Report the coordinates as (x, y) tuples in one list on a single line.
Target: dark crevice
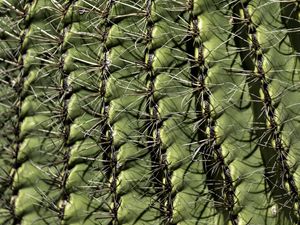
[(218, 177), (266, 129)]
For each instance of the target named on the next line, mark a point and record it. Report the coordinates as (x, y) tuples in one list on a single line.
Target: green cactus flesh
[(175, 112)]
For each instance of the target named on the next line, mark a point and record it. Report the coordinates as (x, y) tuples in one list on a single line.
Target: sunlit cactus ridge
[(149, 112)]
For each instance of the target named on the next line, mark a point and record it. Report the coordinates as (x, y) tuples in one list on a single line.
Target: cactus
[(175, 112)]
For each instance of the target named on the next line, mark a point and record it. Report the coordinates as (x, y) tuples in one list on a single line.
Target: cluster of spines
[(52, 67), (110, 150), (161, 176), (14, 76), (275, 157), (187, 69), (64, 98), (219, 179)]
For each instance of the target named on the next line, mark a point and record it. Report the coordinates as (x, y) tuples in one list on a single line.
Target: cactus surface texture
[(149, 112)]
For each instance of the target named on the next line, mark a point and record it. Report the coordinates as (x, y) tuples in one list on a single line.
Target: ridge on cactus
[(149, 112)]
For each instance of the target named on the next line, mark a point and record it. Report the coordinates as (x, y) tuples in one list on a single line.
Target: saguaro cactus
[(174, 112)]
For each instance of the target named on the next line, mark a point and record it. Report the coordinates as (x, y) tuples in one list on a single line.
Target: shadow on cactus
[(149, 112)]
